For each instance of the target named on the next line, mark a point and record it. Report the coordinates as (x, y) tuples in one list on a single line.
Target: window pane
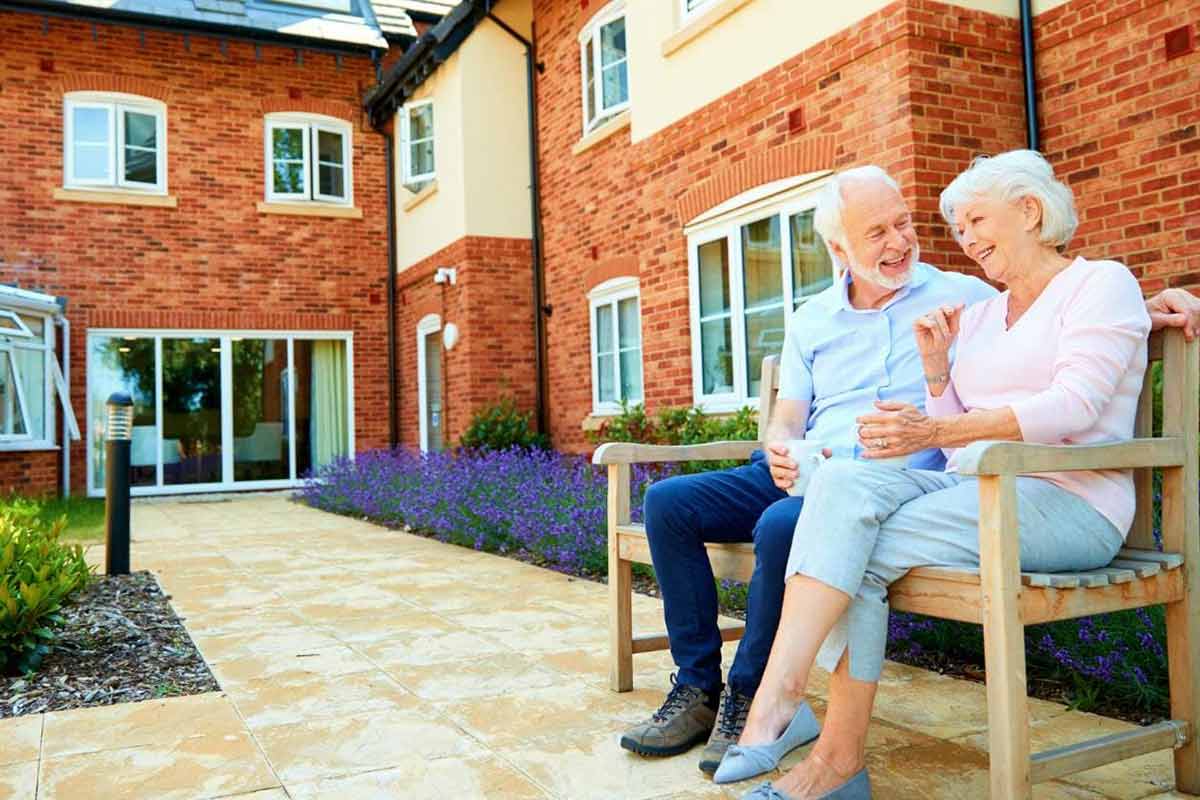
[(329, 147), (422, 158), (812, 269), (36, 325), (627, 313), (32, 366), (120, 364), (714, 277), (604, 337), (322, 431), (140, 129), (716, 356), (604, 375), (631, 375), (260, 399), (616, 85), (332, 181), (289, 177), (612, 42), (764, 337), (91, 161), (420, 122), (191, 384), (91, 125), (287, 143), (762, 265), (12, 422), (141, 166)]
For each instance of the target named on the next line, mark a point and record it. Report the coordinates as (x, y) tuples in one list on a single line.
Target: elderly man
[(846, 348)]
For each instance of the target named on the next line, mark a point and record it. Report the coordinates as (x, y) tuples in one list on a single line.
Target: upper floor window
[(308, 159), (748, 271), (616, 345), (604, 65), (689, 7), (115, 141), (416, 138)]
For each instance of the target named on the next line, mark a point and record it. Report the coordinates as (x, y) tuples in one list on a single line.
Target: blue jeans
[(735, 505)]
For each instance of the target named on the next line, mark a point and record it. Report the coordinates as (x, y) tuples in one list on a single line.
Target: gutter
[(393, 388), (172, 25), (535, 201), (1032, 137)]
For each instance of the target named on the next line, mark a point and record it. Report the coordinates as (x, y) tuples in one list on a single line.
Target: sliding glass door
[(219, 410)]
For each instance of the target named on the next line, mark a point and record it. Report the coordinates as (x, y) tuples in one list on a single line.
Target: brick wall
[(918, 88), (1119, 119), (213, 261), (31, 472), (491, 303)]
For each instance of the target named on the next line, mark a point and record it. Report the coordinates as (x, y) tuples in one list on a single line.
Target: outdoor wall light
[(446, 275), (450, 335)]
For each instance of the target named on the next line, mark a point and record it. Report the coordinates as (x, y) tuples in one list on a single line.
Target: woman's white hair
[(1011, 176), (827, 219)]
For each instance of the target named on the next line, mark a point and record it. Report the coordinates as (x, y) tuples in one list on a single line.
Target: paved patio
[(358, 662)]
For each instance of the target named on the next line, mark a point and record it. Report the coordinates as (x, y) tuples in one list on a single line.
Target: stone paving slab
[(360, 663)]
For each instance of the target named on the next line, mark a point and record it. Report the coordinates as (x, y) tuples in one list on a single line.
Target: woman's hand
[(899, 429), (937, 330)]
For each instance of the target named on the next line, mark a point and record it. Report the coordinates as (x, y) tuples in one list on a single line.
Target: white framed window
[(114, 141), (308, 159), (748, 270), (616, 337), (689, 8), (604, 65), (29, 374), (416, 139)]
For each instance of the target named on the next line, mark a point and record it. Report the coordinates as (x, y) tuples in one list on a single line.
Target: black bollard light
[(116, 483)]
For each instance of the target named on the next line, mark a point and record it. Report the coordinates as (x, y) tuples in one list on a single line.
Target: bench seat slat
[(1143, 569), (1166, 560)]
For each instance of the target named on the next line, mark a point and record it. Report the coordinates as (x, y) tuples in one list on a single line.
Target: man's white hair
[(831, 204), (1011, 176)]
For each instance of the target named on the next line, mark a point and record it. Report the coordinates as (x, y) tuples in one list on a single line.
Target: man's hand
[(1175, 308), (899, 429), (783, 468)]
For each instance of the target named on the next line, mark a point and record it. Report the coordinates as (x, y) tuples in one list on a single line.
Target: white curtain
[(328, 426)]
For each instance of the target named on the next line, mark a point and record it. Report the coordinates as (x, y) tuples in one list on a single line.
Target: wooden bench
[(999, 596)]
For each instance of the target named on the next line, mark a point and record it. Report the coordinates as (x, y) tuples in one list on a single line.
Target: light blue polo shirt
[(842, 359)]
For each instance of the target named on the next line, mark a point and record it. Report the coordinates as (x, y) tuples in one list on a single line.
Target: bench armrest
[(634, 453), (1013, 458)]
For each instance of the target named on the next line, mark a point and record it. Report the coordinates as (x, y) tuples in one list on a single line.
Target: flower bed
[(551, 508)]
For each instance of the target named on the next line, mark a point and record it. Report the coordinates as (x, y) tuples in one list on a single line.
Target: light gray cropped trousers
[(864, 526)]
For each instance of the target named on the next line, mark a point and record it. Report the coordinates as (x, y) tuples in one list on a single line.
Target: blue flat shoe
[(857, 788), (746, 761)]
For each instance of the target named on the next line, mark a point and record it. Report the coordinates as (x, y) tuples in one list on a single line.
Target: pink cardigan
[(1070, 369)]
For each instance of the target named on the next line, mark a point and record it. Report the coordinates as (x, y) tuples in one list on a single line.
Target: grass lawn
[(85, 515)]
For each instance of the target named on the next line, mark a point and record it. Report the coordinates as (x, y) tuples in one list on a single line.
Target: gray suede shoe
[(857, 788), (746, 761)]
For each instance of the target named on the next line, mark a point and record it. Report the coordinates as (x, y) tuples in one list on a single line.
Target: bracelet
[(938, 380)]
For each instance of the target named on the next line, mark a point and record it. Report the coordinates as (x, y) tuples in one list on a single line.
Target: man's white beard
[(875, 276)]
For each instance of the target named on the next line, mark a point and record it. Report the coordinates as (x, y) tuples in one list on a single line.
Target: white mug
[(808, 456)]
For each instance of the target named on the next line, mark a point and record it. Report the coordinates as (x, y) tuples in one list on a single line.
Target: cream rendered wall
[(745, 44), (496, 132), (440, 219)]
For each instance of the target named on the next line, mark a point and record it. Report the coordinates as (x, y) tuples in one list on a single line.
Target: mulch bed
[(120, 642)]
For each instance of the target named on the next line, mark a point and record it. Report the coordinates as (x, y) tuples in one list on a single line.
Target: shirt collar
[(840, 300)]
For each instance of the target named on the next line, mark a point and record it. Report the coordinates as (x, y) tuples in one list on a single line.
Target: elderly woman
[(1057, 358)]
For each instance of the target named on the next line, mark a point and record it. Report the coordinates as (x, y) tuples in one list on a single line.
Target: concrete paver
[(358, 662)]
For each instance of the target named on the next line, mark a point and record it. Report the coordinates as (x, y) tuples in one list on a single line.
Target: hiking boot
[(731, 719), (684, 719)]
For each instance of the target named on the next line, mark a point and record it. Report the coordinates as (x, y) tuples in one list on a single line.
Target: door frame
[(429, 325)]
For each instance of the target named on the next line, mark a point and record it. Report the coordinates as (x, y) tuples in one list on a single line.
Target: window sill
[(601, 132), (427, 191), (311, 210), (595, 421), (700, 23), (116, 197), (27, 447)]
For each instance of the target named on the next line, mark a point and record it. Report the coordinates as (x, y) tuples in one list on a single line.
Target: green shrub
[(679, 426), (501, 427), (37, 574)]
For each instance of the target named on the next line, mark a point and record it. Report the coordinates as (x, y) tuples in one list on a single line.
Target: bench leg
[(620, 625), (1183, 660), (1003, 641)]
